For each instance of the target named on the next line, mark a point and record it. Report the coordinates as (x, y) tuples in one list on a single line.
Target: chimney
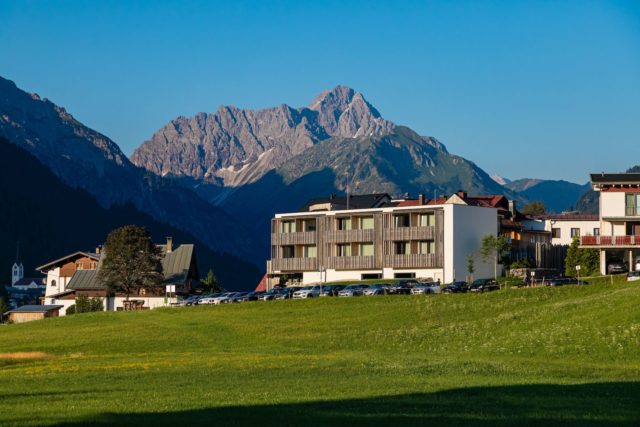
[(169, 244), (462, 194), (512, 209), (421, 199), (98, 249)]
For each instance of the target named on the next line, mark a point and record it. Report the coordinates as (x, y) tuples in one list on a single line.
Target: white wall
[(464, 229), (612, 204), (565, 226), (61, 282)]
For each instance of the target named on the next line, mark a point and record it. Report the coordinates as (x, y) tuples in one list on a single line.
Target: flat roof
[(35, 309), (615, 178)]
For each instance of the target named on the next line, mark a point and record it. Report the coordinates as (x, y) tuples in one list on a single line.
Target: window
[(310, 251), (344, 223), (369, 276), (404, 275), (310, 224), (79, 266), (555, 233), (53, 283), (288, 252), (575, 232), (402, 248), (402, 220), (596, 231), (426, 219), (344, 249), (288, 226), (366, 249), (366, 223), (632, 204), (426, 247)]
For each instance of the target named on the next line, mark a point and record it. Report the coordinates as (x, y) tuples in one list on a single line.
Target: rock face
[(233, 147), (86, 159)]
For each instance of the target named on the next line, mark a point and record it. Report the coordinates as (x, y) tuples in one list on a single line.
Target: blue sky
[(547, 89)]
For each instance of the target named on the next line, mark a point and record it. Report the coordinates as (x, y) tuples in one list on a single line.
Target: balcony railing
[(410, 233), (346, 236), (351, 262), (413, 261), (632, 211), (294, 264), (614, 241), (298, 238)]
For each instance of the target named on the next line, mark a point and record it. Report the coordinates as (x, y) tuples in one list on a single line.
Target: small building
[(28, 313), (565, 226)]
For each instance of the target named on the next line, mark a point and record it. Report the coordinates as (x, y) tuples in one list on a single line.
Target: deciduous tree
[(494, 248), (131, 261)]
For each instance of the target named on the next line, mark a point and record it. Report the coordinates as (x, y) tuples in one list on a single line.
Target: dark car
[(269, 295), (402, 287), (617, 268), (484, 285), (285, 293), (456, 288), (331, 290)]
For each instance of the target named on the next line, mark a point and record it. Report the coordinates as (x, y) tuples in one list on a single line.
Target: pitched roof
[(25, 281), (64, 258), (615, 178), (569, 217), (176, 264), (35, 309), (84, 279)]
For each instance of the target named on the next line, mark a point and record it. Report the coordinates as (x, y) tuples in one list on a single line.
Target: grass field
[(552, 356)]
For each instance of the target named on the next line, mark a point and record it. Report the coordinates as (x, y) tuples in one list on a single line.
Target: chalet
[(77, 275)]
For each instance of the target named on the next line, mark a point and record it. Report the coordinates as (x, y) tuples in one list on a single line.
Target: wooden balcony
[(348, 236), (351, 262), (298, 238), (413, 261), (294, 264), (410, 233), (610, 241)]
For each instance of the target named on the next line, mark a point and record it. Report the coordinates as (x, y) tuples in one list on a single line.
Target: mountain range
[(221, 176)]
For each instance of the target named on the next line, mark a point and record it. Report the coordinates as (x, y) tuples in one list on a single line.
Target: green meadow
[(548, 356)]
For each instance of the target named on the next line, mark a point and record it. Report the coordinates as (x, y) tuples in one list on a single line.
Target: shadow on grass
[(601, 404)]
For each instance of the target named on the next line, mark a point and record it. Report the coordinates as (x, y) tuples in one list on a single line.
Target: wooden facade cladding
[(294, 264), (347, 236), (410, 233), (351, 262), (413, 261), (297, 238)]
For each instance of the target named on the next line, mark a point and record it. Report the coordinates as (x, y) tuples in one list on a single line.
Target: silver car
[(426, 288), (352, 291), (307, 292), (633, 276)]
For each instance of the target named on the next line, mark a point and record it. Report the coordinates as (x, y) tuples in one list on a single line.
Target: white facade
[(562, 230)]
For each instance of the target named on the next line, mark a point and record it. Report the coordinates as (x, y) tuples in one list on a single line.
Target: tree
[(470, 267), (210, 283), (494, 248), (587, 259), (534, 208), (131, 261)]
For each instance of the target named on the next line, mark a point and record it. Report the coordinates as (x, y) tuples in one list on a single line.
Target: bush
[(85, 304), (71, 309), (587, 259)]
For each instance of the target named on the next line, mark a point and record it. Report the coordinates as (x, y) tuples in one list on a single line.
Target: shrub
[(71, 309)]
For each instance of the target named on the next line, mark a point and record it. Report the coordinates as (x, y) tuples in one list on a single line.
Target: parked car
[(402, 287), (426, 288), (191, 300), (225, 298), (331, 290), (617, 268), (240, 297), (633, 276), (268, 295), (285, 293), (352, 291), (484, 285), (307, 292), (456, 288), (207, 299), (376, 289)]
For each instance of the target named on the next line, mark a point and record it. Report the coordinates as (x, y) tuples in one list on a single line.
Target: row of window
[(632, 204), (423, 247), (556, 233), (360, 222)]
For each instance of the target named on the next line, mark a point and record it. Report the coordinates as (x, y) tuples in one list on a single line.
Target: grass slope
[(565, 356)]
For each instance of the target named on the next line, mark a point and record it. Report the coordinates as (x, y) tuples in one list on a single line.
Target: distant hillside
[(557, 196), (50, 220)]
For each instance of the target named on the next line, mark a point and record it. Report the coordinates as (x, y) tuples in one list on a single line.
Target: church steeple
[(17, 271)]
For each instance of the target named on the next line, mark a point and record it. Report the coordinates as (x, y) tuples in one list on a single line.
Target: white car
[(352, 291), (426, 288), (224, 298), (307, 292), (633, 276)]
